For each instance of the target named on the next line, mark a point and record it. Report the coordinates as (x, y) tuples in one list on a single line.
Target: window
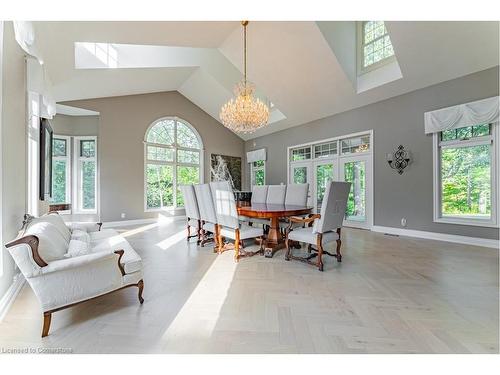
[(85, 174), (374, 45), (325, 150), (258, 172), (61, 169), (356, 145), (104, 52), (173, 157), (303, 153), (465, 175)]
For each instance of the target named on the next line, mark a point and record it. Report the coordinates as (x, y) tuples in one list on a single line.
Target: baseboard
[(124, 223), (11, 294), (438, 236)]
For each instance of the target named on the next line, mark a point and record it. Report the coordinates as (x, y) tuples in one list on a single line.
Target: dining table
[(274, 212)]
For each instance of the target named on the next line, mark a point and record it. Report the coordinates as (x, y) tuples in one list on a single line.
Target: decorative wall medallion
[(399, 159)]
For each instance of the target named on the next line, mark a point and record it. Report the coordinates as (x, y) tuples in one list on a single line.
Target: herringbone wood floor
[(389, 295)]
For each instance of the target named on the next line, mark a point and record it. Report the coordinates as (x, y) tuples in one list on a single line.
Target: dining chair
[(192, 211), (276, 194), (321, 228), (296, 195), (259, 194), (207, 214), (229, 223)]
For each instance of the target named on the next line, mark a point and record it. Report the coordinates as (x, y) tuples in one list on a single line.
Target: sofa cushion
[(58, 222), (52, 245), (77, 248), (110, 240), (80, 235)]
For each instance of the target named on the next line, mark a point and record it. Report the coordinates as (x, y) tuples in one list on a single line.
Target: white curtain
[(256, 155), (474, 113), (37, 78)]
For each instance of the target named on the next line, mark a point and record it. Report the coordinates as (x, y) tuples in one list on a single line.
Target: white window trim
[(360, 55), (254, 169), (173, 163), (77, 191), (436, 176), (68, 158)]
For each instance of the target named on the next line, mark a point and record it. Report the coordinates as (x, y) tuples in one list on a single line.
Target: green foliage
[(159, 181), (324, 173), (466, 180), (59, 147), (354, 172), (88, 184), (58, 181), (300, 175), (259, 177), (185, 176)]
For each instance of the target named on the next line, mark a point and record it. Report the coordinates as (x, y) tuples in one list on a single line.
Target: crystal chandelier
[(245, 113)]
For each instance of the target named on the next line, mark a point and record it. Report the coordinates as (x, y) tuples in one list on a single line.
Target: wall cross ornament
[(399, 159)]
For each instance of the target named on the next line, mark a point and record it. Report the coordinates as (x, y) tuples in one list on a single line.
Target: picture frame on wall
[(46, 136)]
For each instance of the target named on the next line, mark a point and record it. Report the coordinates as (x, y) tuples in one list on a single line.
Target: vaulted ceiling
[(299, 66)]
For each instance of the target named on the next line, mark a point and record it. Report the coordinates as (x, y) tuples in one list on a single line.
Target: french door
[(301, 173), (358, 171), (324, 171)]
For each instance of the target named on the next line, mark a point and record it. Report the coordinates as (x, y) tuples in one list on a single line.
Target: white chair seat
[(306, 235), (209, 227), (245, 232)]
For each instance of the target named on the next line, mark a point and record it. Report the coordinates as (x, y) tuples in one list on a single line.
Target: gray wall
[(13, 149), (399, 120), (123, 124), (75, 125)]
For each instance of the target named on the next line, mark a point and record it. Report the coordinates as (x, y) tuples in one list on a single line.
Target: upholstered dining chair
[(296, 195), (207, 213), (259, 194), (321, 228), (229, 223), (192, 211), (276, 194)]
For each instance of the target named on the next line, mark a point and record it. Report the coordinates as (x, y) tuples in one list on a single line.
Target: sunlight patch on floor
[(172, 240), (198, 317), (131, 232)]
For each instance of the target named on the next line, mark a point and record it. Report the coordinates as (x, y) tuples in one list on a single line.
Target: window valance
[(474, 113), (256, 155)]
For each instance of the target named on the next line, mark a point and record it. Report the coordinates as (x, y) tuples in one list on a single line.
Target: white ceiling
[(291, 63)]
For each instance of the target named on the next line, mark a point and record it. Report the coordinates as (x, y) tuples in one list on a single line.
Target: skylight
[(375, 45), (106, 53)]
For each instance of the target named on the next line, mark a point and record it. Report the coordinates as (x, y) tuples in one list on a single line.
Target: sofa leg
[(47, 317), (140, 285)]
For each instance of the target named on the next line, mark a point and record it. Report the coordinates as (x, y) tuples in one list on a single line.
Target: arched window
[(173, 153)]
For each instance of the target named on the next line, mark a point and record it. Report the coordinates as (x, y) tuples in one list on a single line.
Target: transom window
[(325, 150), (466, 175), (302, 153), (173, 157), (374, 44), (356, 145)]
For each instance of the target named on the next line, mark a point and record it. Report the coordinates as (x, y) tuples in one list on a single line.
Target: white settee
[(66, 264)]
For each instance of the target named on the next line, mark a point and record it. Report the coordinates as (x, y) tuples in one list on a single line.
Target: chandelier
[(245, 113)]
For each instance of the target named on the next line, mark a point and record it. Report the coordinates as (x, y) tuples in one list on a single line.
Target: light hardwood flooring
[(389, 295)]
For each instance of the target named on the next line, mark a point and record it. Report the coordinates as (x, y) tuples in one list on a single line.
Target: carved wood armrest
[(32, 241), (99, 225), (302, 220), (120, 255)]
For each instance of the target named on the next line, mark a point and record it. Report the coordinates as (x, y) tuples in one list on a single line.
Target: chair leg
[(198, 233), (288, 249), (237, 245), (339, 255), (140, 285), (188, 232), (216, 239), (320, 251), (47, 317), (309, 247), (203, 237)]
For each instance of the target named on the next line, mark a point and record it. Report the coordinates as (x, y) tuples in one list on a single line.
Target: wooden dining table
[(274, 240)]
